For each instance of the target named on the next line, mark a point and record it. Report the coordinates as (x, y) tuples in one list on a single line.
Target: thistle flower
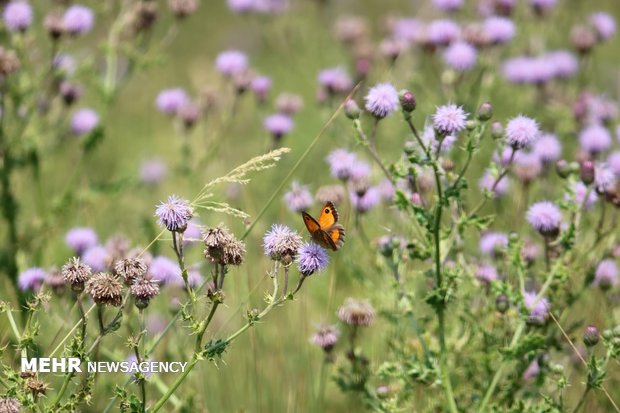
[(448, 5), (341, 163), (564, 63), (79, 239), (170, 101), (528, 166), (312, 258), (183, 8), (192, 233), (613, 162), (55, 280), (335, 80), (442, 32), (231, 62), (538, 308), (487, 181), (460, 56), (326, 337), (387, 190), (69, 92), (351, 29), (164, 270), (532, 370), (449, 119), (278, 125), (105, 289), (604, 178), (364, 202), (289, 104), (298, 198), (547, 148), (545, 217), (580, 190), (606, 274), (189, 114), (591, 335), (194, 277), (595, 139), (241, 6), (97, 258), (333, 193), (234, 252), (261, 85), (31, 279), (130, 269), (78, 20), (153, 171), (604, 24), (493, 243), (222, 247), (356, 312), (281, 243), (499, 30), (521, 132), (542, 6), (407, 29), (10, 405), (174, 214), (76, 273), (84, 121), (17, 16), (486, 273), (382, 100), (144, 289)]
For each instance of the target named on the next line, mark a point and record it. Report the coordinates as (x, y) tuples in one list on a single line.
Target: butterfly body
[(326, 231)]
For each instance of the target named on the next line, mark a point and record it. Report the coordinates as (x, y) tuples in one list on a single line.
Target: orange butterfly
[(326, 231)]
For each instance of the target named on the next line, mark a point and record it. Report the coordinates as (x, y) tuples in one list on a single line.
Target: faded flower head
[(17, 16), (78, 20), (10, 405), (521, 132), (79, 239), (356, 312), (84, 121), (606, 274), (31, 279), (76, 273), (222, 247), (312, 258), (144, 289), (382, 100), (130, 269), (545, 217), (538, 308), (105, 289), (174, 214), (326, 337), (449, 119), (281, 243), (298, 198), (234, 252)]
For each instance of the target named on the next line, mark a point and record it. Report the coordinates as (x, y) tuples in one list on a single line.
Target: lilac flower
[(281, 243), (449, 119), (335, 80), (341, 163), (174, 214), (17, 16), (80, 239), (298, 198), (613, 162), (326, 337), (78, 20), (231, 62), (97, 258), (84, 121), (499, 30), (606, 274), (312, 258), (493, 242), (460, 56), (153, 171), (442, 32), (261, 85), (366, 201), (164, 270), (31, 279), (278, 124), (545, 217), (486, 273), (487, 181), (595, 139), (407, 29), (580, 190), (604, 178), (548, 148), (604, 24), (448, 5), (170, 101), (382, 100), (538, 308), (532, 370), (521, 132)]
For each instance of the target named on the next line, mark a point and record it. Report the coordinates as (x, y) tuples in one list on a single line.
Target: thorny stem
[(582, 399), (177, 244)]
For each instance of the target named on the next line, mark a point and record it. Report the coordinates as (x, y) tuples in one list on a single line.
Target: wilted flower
[(76, 273), (234, 252), (356, 312), (298, 198), (326, 337), (105, 289), (545, 217), (31, 279), (222, 247), (174, 214), (521, 132), (144, 289), (281, 243), (17, 16), (382, 100), (10, 405), (449, 119), (78, 20), (312, 258), (130, 269), (84, 121), (80, 239), (606, 274)]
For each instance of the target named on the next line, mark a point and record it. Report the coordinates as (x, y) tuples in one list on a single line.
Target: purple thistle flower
[(170, 101), (387, 190), (538, 308), (17, 16), (360, 171), (312, 258), (449, 119), (493, 242), (261, 85), (545, 217), (278, 124), (382, 100), (564, 63), (407, 29), (448, 5), (364, 202), (31, 279), (595, 139), (521, 132), (442, 32), (153, 171), (298, 198), (164, 271), (499, 30), (281, 242), (231, 62), (460, 56), (613, 162), (335, 80), (487, 181), (97, 258), (548, 148), (486, 273), (174, 214), (78, 20), (326, 337), (341, 163), (606, 274), (604, 24), (194, 277), (529, 70), (65, 64), (241, 6), (528, 166), (80, 239), (84, 121), (532, 370), (604, 178), (580, 190)]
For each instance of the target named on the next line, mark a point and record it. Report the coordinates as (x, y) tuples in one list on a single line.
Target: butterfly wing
[(311, 224), (326, 231), (329, 216), (336, 235)]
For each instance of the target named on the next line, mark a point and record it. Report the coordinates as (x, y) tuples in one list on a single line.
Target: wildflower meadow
[(309, 206)]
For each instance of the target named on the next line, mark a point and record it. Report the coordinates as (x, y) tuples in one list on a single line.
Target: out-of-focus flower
[(17, 16), (164, 270), (613, 162), (153, 171), (382, 100), (579, 195), (532, 370), (522, 132), (407, 29), (604, 24), (487, 181), (366, 201), (341, 163), (326, 337), (289, 104), (183, 8), (528, 166), (298, 198), (606, 274), (278, 125), (261, 85), (335, 80), (97, 258), (460, 56), (486, 273), (595, 139), (231, 62), (538, 307), (333, 193), (84, 121), (31, 279), (170, 101), (241, 6), (545, 217), (493, 243), (499, 30), (174, 214), (442, 32), (548, 148), (604, 178), (78, 20), (449, 119), (312, 258), (542, 6), (448, 5), (80, 239), (356, 312)]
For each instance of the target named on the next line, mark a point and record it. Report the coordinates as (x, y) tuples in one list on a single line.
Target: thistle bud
[(586, 172), (485, 112), (407, 101), (502, 303), (351, 109), (497, 130), (591, 336), (562, 168)]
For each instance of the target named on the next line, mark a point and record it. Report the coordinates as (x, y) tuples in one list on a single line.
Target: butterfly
[(326, 231)]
